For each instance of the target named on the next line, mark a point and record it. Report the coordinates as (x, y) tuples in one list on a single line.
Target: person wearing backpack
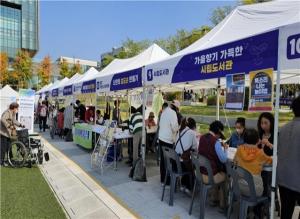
[(43, 116), (186, 141)]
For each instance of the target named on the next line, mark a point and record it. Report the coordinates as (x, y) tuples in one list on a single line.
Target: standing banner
[(261, 90), (235, 91), (26, 108)]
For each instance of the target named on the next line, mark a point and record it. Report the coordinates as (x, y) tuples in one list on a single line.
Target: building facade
[(19, 27), (84, 64)]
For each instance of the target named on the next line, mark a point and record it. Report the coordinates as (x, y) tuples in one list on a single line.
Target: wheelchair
[(26, 149)]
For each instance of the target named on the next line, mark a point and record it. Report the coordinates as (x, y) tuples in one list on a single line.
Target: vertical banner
[(235, 91), (26, 108), (261, 90)]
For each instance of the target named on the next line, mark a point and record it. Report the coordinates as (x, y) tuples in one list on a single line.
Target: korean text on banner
[(235, 91), (261, 90), (26, 108)]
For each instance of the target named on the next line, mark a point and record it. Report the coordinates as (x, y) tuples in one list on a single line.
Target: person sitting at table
[(265, 127), (135, 127), (216, 152), (150, 122), (186, 141), (99, 118), (90, 115), (237, 138), (250, 157)]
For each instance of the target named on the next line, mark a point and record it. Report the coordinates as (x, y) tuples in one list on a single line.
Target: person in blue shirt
[(237, 138)]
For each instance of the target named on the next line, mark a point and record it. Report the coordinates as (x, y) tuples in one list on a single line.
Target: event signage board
[(235, 91), (289, 46), (83, 135), (68, 90), (89, 86), (26, 108), (256, 52), (261, 90), (127, 80)]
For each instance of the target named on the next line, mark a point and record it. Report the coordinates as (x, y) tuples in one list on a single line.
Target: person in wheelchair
[(8, 129)]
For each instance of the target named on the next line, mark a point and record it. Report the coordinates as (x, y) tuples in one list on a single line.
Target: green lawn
[(211, 111), (26, 194)]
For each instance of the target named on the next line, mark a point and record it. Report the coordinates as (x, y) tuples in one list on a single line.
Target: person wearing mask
[(8, 129), (265, 127), (43, 116), (211, 147), (135, 127), (288, 177), (186, 141), (175, 105), (116, 112), (250, 157), (237, 138), (168, 127), (99, 118)]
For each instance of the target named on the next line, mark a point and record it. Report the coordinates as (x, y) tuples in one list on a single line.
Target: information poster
[(261, 90), (26, 108), (235, 91)]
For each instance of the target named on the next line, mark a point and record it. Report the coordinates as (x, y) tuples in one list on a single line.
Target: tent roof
[(152, 54), (61, 83), (7, 91), (73, 79), (52, 86), (248, 20), (44, 88), (89, 74)]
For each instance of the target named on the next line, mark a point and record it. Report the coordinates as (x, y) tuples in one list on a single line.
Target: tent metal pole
[(143, 148), (275, 143), (218, 101)]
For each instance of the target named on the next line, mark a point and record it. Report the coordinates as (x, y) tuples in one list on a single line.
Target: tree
[(133, 48), (76, 68), (107, 59), (22, 67), (64, 68), (4, 74), (44, 72), (219, 14)]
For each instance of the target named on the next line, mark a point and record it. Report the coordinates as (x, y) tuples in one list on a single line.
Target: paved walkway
[(78, 193), (140, 197)]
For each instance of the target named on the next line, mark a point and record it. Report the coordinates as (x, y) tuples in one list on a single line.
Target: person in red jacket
[(60, 121)]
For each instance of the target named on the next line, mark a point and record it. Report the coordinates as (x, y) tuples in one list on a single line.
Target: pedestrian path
[(77, 192), (142, 197)]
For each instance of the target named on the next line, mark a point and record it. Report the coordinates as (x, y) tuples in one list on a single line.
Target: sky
[(86, 29)]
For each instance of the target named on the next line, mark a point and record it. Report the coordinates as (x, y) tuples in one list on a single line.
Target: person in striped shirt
[(135, 127)]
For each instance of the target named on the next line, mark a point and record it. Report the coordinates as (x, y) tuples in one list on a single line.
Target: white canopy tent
[(242, 22), (130, 70), (54, 90), (87, 76), (268, 33), (43, 89), (7, 96)]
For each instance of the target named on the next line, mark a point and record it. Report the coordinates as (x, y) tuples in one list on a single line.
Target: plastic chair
[(200, 161), (172, 159), (239, 173)]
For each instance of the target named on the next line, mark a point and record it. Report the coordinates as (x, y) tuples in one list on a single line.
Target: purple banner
[(127, 80), (54, 92), (89, 86), (68, 90), (257, 52)]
